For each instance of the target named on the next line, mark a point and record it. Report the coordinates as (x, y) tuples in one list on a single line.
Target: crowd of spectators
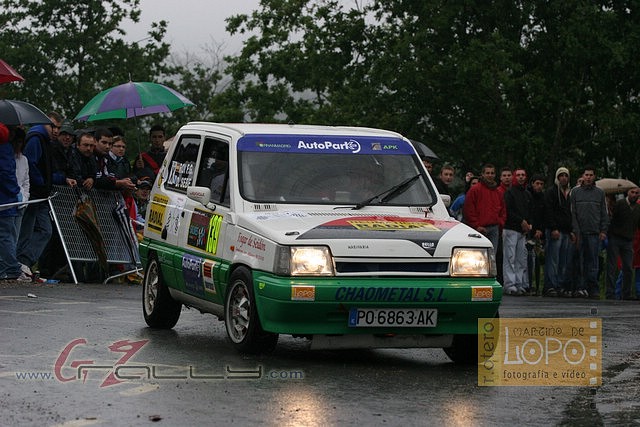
[(33, 161), (562, 230)]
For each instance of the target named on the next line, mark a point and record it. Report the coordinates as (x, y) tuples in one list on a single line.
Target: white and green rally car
[(334, 234)]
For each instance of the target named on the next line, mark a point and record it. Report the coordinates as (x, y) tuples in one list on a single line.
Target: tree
[(526, 83), (70, 51), (201, 78)]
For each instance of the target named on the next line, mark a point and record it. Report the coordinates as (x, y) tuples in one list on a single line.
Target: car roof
[(242, 129)]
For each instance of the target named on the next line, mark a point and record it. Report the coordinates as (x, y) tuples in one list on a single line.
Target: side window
[(183, 162), (214, 170)]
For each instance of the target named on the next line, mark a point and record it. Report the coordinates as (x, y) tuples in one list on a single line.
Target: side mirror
[(446, 199), (201, 195)]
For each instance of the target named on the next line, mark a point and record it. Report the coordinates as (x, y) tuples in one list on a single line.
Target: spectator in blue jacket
[(9, 194), (36, 228)]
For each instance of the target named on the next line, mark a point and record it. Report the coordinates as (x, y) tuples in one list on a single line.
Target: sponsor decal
[(250, 245), (251, 242), (173, 217), (540, 352), (389, 294), (198, 229), (424, 232), (351, 145), (156, 212), (214, 234), (192, 274), (180, 175), (325, 144), (481, 293), (393, 224), (303, 293), (207, 275), (204, 230)]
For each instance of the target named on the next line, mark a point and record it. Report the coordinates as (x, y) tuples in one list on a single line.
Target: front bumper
[(309, 306)]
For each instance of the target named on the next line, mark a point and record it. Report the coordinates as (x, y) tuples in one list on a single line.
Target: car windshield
[(323, 176)]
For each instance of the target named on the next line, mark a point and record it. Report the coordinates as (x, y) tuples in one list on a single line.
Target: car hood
[(360, 234)]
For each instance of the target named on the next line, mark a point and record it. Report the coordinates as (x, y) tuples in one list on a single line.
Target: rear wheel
[(160, 309), (241, 316)]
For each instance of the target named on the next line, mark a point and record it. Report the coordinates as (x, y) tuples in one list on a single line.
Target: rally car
[(332, 234)]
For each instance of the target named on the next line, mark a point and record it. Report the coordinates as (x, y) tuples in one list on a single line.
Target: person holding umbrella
[(149, 162)]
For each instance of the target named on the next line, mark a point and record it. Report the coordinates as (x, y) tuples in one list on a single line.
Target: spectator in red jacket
[(484, 207)]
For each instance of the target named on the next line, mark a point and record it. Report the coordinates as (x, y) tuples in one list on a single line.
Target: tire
[(241, 316), (464, 350), (160, 310)]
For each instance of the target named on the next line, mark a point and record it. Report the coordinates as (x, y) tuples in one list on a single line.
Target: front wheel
[(160, 309), (241, 316), (464, 349)]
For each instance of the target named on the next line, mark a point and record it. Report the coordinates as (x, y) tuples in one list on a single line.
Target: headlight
[(473, 262), (304, 261)]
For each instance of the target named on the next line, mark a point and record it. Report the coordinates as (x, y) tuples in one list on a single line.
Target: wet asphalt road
[(163, 382)]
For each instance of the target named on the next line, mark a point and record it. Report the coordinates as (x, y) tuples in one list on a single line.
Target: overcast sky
[(192, 24)]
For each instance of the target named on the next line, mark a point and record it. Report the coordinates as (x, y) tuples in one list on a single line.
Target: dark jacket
[(38, 152), (624, 219), (60, 158), (558, 210), (9, 188), (105, 179), (152, 161), (518, 203), (442, 187), (538, 211), (119, 166), (82, 167), (588, 210)]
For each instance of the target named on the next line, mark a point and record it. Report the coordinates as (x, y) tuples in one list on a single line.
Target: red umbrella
[(8, 74)]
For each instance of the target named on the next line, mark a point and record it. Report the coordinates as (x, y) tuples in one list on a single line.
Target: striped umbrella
[(132, 99)]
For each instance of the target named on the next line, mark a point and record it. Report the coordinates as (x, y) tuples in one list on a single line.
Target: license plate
[(396, 317)]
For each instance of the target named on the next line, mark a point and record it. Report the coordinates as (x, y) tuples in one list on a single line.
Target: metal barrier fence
[(121, 244)]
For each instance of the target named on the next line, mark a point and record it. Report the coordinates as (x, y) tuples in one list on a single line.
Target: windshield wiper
[(392, 192)]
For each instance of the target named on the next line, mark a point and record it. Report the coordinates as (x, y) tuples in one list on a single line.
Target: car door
[(202, 263)]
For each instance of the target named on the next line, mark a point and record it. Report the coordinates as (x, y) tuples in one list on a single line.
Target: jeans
[(619, 284), (514, 259), (19, 223), (9, 267), (35, 233), (558, 259), (623, 248), (588, 248), (493, 234)]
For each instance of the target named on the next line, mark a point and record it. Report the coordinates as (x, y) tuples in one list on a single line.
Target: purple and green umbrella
[(132, 99)]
